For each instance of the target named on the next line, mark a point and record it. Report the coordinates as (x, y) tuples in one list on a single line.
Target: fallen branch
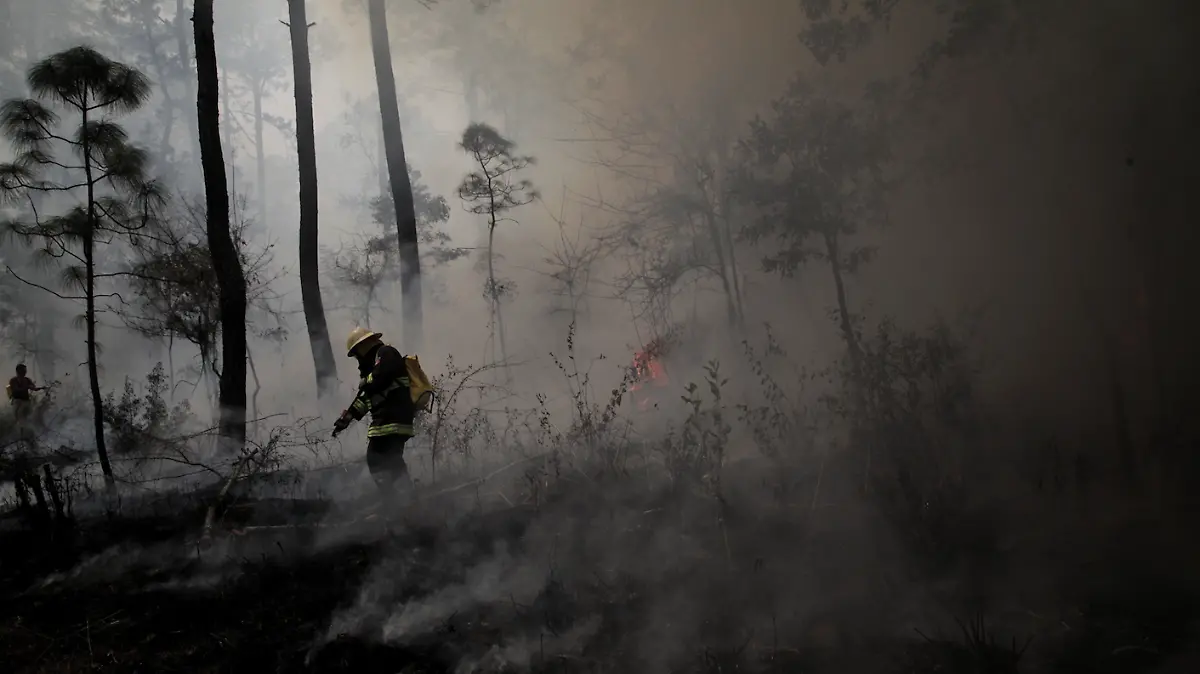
[(299, 525), (211, 515)]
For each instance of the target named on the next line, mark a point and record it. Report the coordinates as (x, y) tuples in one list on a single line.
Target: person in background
[(19, 388)]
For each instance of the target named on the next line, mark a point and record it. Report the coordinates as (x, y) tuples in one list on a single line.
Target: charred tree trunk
[(89, 263), (227, 129), (306, 150), (89, 293), (231, 282), (171, 363), (381, 167), (402, 196)]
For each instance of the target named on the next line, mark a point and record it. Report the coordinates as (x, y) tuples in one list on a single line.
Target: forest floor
[(584, 579)]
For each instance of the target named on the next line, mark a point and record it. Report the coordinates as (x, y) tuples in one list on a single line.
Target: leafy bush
[(911, 411), (143, 421), (695, 453), (596, 429)]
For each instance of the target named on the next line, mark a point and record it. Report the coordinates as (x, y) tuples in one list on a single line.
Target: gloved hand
[(361, 383), (342, 423)]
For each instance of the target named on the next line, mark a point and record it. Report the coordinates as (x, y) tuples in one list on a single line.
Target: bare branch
[(41, 287)]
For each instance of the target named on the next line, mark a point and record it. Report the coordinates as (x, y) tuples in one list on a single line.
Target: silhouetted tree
[(231, 281), (177, 294), (815, 174), (675, 229), (310, 283), (407, 237), (570, 264), (115, 197), (140, 34), (837, 29), (255, 59), (371, 262), (493, 190)]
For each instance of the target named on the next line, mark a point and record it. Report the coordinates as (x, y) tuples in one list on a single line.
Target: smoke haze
[(1022, 331)]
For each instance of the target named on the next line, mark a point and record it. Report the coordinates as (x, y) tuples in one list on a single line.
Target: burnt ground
[(588, 577)]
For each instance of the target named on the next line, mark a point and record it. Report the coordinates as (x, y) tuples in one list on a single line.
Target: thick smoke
[(1021, 341)]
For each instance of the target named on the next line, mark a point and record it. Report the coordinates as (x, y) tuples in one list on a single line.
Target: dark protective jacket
[(19, 387), (384, 392)]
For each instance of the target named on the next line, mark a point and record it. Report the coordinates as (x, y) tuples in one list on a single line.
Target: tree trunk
[(733, 269), (227, 146), (93, 370), (845, 322), (710, 193), (860, 437), (261, 154), (169, 103), (718, 244), (381, 166), (474, 116), (185, 66), (306, 150), (89, 293), (494, 296), (231, 282), (171, 362), (257, 389), (164, 141), (402, 196), (723, 204)]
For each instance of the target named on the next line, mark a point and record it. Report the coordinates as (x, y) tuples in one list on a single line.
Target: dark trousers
[(385, 461)]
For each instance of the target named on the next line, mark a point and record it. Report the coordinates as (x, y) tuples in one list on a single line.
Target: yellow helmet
[(358, 336)]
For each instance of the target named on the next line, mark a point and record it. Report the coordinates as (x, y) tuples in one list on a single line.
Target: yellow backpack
[(418, 384)]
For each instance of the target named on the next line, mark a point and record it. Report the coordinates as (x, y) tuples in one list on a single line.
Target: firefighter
[(19, 388), (384, 392)]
